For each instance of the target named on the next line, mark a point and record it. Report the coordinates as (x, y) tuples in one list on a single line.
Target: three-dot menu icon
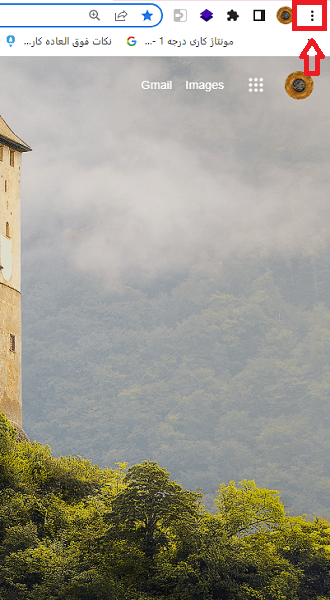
[(309, 15)]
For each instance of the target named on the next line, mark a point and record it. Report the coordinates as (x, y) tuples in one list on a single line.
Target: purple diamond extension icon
[(206, 15)]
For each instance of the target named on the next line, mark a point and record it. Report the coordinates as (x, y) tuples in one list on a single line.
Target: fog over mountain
[(123, 179)]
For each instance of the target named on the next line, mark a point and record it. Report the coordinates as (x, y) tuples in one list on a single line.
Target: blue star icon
[(147, 15)]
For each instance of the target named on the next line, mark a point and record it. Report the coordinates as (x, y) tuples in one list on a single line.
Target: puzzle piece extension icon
[(232, 15)]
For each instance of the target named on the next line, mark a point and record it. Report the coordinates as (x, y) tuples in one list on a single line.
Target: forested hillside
[(70, 531), (219, 373)]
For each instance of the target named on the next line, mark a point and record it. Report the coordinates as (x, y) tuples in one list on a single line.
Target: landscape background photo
[(175, 269)]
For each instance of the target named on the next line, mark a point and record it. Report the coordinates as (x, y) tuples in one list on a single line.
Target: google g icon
[(131, 40)]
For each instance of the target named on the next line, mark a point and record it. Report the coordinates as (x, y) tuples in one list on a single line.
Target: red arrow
[(305, 56)]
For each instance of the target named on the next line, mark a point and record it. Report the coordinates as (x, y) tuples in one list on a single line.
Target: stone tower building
[(11, 148)]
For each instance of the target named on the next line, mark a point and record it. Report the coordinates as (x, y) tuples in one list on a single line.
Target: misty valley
[(220, 373)]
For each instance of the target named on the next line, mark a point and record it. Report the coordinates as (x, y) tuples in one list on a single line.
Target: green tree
[(307, 546), (152, 508), (248, 509)]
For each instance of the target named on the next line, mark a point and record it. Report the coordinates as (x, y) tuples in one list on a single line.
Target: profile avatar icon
[(298, 85), (284, 15)]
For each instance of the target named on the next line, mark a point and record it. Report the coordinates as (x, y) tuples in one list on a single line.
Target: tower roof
[(9, 138)]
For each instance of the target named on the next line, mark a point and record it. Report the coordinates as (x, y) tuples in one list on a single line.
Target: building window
[(1, 152), (11, 158), (5, 185), (7, 230), (12, 347)]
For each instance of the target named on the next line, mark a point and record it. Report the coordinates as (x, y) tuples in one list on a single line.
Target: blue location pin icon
[(10, 40)]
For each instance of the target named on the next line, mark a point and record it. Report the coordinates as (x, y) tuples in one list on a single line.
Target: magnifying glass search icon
[(94, 14)]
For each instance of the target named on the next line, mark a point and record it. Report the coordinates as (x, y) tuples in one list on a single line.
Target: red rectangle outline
[(296, 3)]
